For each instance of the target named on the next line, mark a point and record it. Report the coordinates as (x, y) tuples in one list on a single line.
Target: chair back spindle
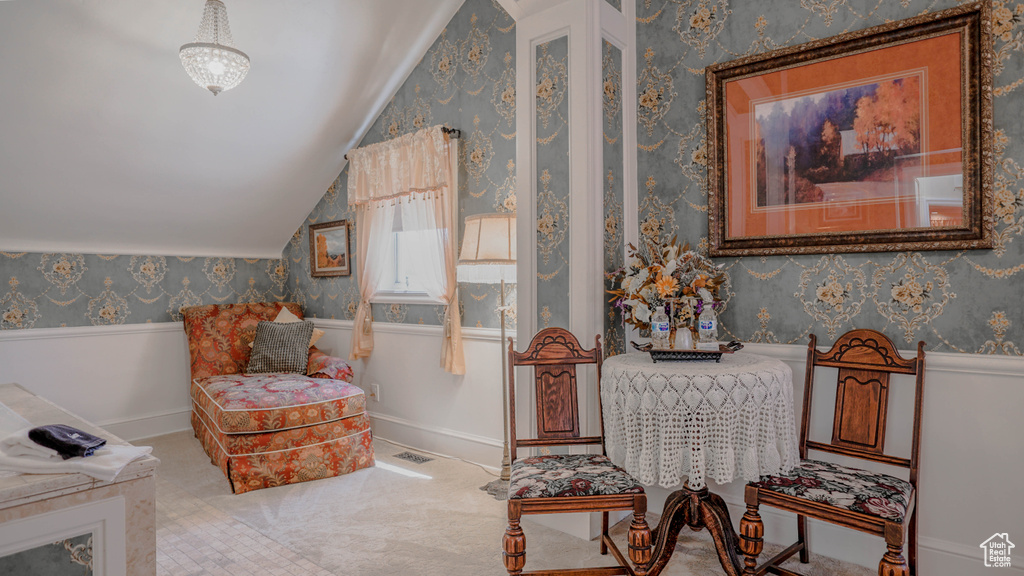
[(554, 354), (865, 359)]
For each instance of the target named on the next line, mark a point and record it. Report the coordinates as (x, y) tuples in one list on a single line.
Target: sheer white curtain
[(414, 172), (435, 266), (374, 240)]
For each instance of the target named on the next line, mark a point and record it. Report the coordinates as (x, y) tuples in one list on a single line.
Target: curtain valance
[(416, 162), (418, 169)]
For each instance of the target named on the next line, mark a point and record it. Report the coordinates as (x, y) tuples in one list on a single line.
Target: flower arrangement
[(658, 274)]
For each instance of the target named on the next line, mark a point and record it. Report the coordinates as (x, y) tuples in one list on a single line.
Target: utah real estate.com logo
[(997, 550)]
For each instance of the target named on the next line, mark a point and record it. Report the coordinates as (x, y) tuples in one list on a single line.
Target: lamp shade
[(488, 254)]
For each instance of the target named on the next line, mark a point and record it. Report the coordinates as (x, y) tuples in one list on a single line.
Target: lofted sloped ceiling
[(107, 146)]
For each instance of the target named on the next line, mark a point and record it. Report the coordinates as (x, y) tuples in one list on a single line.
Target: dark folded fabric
[(67, 441)]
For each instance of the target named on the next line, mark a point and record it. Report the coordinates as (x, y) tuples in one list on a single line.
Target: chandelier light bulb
[(211, 60)]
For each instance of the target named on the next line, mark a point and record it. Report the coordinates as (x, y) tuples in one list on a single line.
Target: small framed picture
[(329, 249)]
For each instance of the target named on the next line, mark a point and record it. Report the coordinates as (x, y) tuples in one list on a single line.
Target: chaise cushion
[(569, 475), (870, 493), (239, 404)]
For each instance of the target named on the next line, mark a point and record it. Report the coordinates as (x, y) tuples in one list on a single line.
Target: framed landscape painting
[(875, 140), (329, 249)]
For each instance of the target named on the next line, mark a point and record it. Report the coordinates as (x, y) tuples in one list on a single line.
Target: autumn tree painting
[(841, 144)]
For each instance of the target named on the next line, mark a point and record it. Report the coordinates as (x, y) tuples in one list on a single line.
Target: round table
[(667, 421), (720, 420)]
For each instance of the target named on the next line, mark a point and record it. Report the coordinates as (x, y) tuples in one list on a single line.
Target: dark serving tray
[(689, 355)]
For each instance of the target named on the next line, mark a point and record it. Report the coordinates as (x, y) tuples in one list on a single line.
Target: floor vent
[(414, 458)]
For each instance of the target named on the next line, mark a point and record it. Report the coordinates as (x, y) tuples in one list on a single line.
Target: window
[(412, 256), (416, 175), (401, 281)]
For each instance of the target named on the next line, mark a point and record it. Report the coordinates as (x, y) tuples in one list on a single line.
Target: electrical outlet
[(375, 392)]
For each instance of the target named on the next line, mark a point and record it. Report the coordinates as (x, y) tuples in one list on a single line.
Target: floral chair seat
[(569, 475), (858, 490)]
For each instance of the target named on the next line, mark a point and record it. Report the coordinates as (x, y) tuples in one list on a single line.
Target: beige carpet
[(378, 521)]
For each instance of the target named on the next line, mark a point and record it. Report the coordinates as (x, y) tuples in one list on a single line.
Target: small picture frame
[(329, 249)]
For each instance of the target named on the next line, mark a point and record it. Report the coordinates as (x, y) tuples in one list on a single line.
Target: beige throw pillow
[(285, 316)]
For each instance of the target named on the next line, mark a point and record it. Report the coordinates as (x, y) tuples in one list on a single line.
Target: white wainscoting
[(131, 379), (420, 404)]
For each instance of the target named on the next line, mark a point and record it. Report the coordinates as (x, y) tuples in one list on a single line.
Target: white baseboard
[(445, 442)]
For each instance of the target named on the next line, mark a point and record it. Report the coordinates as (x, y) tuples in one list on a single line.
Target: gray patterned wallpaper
[(65, 289), (611, 82), (465, 81), (552, 129), (70, 557), (955, 301)]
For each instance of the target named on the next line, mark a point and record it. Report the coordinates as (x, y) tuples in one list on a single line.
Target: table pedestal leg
[(697, 509)]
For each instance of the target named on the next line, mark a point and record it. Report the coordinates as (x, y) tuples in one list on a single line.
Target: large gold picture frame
[(870, 141)]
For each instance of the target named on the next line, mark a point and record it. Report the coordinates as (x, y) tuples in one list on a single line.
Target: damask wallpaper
[(465, 81), (552, 153), (70, 557), (65, 289), (611, 83), (955, 301)]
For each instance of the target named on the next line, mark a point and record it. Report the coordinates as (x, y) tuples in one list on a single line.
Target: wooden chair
[(567, 483), (875, 503)]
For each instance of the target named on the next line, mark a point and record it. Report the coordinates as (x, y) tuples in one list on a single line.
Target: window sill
[(405, 298)]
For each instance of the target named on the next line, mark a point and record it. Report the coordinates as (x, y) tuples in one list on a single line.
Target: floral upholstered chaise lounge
[(271, 429)]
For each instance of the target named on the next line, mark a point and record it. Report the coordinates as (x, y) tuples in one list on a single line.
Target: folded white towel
[(105, 464), (19, 444)]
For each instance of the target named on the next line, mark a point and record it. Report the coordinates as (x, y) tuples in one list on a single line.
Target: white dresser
[(44, 515)]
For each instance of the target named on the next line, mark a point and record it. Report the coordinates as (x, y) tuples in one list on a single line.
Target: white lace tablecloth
[(669, 420)]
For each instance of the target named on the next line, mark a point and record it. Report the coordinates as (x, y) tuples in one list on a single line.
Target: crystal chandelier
[(212, 60)]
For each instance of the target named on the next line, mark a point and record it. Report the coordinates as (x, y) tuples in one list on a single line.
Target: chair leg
[(801, 530), (604, 532), (751, 532), (514, 543), (639, 536), (893, 563)]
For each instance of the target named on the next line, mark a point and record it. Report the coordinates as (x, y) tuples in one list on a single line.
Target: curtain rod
[(452, 132)]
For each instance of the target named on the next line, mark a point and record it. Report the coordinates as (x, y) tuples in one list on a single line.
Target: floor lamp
[(488, 256)]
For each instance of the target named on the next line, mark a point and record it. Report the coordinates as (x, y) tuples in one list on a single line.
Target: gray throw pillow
[(280, 347)]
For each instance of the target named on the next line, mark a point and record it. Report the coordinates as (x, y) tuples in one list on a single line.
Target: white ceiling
[(107, 146)]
